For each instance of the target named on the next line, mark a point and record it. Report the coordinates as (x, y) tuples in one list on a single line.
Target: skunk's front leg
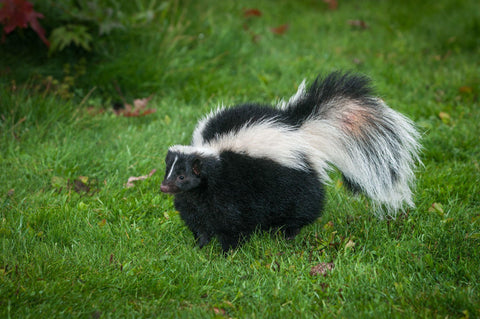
[(202, 239), (291, 232), (230, 241)]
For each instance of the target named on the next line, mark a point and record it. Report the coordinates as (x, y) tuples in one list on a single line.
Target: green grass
[(124, 252)]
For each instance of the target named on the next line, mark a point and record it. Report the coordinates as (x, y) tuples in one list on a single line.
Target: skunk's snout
[(164, 188), (169, 189)]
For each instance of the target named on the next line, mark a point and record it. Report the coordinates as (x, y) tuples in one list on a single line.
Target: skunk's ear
[(197, 166)]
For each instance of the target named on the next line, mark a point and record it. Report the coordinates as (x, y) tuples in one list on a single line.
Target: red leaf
[(280, 29), (252, 13), (20, 13), (35, 25)]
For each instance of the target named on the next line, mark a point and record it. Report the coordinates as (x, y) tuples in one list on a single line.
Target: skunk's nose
[(164, 188)]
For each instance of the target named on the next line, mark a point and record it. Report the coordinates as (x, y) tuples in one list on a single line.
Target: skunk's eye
[(181, 177)]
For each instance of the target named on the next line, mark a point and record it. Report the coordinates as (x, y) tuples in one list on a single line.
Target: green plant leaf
[(64, 36)]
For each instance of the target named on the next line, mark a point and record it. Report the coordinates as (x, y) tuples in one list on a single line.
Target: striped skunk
[(259, 167)]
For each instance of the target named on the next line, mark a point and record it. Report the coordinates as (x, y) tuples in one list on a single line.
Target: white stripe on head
[(173, 165)]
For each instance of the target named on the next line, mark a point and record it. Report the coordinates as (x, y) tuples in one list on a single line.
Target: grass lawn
[(76, 242)]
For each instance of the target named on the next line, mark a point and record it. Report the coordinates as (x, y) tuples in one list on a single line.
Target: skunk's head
[(184, 169)]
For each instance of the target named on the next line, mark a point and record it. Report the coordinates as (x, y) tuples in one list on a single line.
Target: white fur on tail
[(368, 164)]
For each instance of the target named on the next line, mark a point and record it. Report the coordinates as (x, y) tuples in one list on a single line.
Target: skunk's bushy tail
[(375, 147)]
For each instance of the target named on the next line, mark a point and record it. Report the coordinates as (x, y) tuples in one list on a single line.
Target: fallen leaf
[(328, 226), (322, 269), (138, 108), (79, 186), (445, 117), (219, 311), (436, 208), (58, 182), (102, 223), (141, 103), (465, 90), (132, 179), (350, 244), (360, 24), (167, 120), (338, 184), (83, 179), (332, 4), (93, 111), (357, 61), (252, 13), (11, 192), (280, 29)]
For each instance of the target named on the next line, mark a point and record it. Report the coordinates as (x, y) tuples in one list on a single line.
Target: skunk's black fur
[(233, 195), (257, 167)]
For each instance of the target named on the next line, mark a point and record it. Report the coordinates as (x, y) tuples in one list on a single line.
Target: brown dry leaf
[(93, 111), (219, 311), (83, 179), (328, 226), (252, 13), (360, 24), (132, 179), (81, 185), (321, 269), (350, 244), (436, 208), (332, 4), (139, 108), (141, 103), (465, 90), (445, 117), (280, 29), (357, 61)]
